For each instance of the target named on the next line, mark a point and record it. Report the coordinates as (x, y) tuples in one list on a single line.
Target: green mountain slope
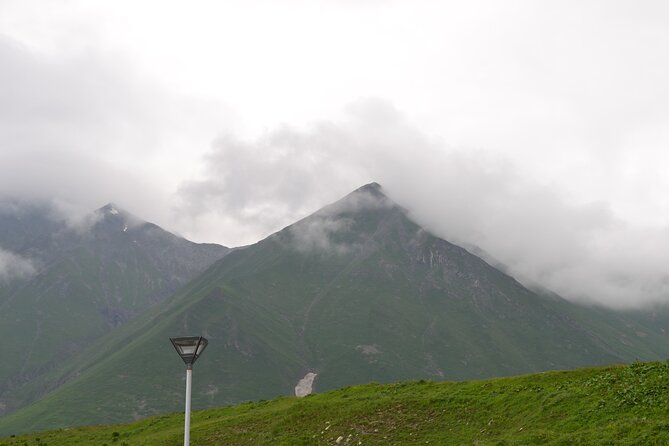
[(622, 405), (356, 292), (87, 282)]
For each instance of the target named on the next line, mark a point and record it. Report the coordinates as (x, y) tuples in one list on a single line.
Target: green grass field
[(618, 405)]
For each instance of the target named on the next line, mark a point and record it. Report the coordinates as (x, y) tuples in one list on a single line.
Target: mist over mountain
[(534, 133), (67, 284), (355, 292), (514, 215), (546, 233)]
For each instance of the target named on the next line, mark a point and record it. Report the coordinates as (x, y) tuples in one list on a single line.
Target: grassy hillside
[(87, 282), (622, 405), (355, 293)]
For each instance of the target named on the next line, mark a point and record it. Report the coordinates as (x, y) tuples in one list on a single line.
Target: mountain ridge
[(355, 292), (89, 279)]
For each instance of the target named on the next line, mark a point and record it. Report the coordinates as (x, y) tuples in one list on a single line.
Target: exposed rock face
[(305, 385)]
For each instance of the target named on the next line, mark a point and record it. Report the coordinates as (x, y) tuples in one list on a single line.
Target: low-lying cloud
[(317, 235), (68, 128), (580, 250), (81, 126), (13, 266)]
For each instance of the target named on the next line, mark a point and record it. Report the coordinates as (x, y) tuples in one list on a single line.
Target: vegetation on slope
[(356, 293), (87, 283), (622, 405)]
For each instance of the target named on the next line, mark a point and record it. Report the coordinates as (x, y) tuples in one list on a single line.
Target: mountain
[(356, 292), (84, 281)]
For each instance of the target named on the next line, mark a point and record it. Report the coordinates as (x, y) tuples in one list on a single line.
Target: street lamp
[(189, 348)]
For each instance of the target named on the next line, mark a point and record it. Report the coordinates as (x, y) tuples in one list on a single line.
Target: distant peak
[(369, 196), (371, 188), (116, 213), (110, 208)]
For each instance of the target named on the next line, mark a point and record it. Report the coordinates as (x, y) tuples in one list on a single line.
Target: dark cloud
[(583, 251)]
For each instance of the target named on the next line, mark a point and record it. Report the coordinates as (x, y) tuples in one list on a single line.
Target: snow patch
[(113, 211), (125, 228), (304, 386)]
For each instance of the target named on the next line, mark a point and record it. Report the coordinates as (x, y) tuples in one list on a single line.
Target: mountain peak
[(110, 208), (367, 197), (347, 224), (374, 190), (112, 217), (370, 187)]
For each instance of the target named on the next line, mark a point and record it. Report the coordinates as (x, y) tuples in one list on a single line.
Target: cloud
[(329, 229), (317, 235), (570, 111), (255, 186), (58, 123), (363, 199), (13, 266), (581, 250), (85, 130)]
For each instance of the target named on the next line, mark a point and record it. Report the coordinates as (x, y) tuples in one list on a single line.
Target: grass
[(618, 405), (274, 311)]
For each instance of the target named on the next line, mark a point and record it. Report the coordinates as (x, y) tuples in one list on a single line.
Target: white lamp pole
[(189, 385), (189, 348)]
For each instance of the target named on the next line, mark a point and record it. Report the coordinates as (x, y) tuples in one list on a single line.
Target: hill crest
[(355, 292)]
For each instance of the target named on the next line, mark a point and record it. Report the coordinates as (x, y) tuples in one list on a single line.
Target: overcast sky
[(537, 130)]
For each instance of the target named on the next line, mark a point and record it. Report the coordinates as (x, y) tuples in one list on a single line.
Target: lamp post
[(189, 348)]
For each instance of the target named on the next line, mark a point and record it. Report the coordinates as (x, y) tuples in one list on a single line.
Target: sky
[(535, 130)]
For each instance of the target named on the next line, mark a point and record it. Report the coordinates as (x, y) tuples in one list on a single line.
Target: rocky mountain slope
[(80, 283), (356, 292)]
